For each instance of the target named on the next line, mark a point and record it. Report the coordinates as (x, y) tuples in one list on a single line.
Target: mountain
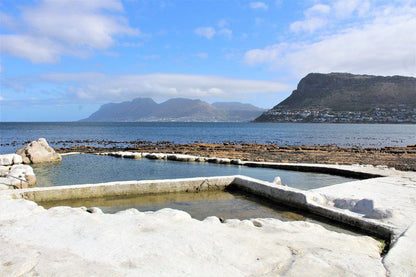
[(344, 97), (176, 109), (237, 111)]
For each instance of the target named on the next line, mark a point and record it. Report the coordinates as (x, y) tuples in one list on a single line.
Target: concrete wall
[(298, 199), (312, 203), (125, 188)]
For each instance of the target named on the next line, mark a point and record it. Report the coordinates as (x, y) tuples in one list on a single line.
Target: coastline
[(401, 158)]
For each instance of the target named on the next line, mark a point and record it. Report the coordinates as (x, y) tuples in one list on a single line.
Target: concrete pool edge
[(353, 171), (299, 199)]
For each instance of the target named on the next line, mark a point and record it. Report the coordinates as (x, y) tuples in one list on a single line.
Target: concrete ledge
[(304, 200), (345, 170), (126, 188), (317, 168), (299, 199)]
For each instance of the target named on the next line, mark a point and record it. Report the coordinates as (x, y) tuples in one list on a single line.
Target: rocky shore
[(402, 158)]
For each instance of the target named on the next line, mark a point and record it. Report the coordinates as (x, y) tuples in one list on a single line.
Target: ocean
[(15, 135)]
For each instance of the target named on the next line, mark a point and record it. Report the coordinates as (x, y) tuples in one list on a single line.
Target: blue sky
[(61, 59)]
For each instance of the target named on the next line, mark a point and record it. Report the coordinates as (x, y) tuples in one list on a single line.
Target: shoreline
[(401, 158)]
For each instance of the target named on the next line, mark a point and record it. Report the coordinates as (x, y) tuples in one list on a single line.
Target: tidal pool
[(224, 204), (88, 169)]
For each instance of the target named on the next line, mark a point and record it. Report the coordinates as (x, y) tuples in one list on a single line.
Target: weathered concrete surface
[(38, 151), (68, 241), (392, 201), (401, 259), (171, 243), (125, 188)]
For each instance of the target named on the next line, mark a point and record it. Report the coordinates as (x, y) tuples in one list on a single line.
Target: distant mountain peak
[(175, 109), (346, 97)]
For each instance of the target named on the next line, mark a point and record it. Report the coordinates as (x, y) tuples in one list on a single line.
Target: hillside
[(176, 110), (344, 97)]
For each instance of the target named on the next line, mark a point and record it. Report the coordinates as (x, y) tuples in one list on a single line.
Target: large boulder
[(38, 151)]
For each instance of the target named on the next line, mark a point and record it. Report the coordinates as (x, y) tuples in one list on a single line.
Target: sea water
[(14, 135)]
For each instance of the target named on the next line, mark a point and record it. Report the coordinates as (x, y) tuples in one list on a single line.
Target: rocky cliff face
[(177, 109), (340, 92)]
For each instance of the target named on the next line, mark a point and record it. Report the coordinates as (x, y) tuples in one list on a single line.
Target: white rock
[(156, 156), (224, 161), (10, 159), (12, 182), (4, 170), (277, 181), (236, 162), (38, 152), (22, 175), (17, 159), (3, 186)]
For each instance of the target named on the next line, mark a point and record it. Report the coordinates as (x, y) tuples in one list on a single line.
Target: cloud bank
[(383, 42), (61, 27), (99, 87)]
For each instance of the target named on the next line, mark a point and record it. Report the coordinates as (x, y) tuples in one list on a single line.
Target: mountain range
[(175, 110)]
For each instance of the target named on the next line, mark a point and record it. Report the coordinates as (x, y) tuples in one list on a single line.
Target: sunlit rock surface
[(85, 241), (169, 242), (38, 151)]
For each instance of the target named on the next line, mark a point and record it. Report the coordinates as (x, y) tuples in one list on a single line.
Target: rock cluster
[(13, 174), (38, 151)]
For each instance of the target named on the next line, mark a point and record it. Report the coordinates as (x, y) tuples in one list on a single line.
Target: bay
[(14, 135)]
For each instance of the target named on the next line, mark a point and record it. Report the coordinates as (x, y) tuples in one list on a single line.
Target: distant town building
[(391, 114)]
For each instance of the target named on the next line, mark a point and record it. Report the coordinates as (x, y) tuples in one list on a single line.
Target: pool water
[(226, 204), (88, 168)]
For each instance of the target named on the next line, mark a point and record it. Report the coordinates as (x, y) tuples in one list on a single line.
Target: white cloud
[(226, 33), (266, 55), (207, 32), (7, 21), (37, 50), (383, 44), (63, 27), (330, 15), (222, 23), (318, 9), (309, 25), (315, 19), (345, 8), (202, 55), (100, 87), (259, 5), (210, 32)]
